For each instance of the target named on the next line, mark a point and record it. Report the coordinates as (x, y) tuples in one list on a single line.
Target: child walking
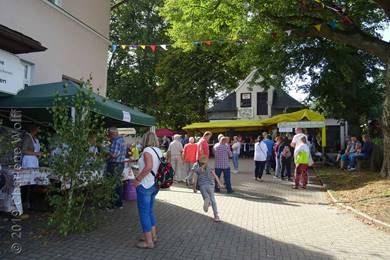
[(303, 160), (204, 178)]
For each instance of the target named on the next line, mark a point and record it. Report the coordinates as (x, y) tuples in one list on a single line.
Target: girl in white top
[(146, 190)]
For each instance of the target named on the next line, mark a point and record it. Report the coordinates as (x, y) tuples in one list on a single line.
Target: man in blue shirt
[(270, 145), (115, 163)]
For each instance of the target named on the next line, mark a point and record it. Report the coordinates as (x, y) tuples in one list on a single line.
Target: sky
[(300, 96)]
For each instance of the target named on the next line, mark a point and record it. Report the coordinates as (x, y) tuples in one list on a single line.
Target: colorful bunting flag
[(208, 42), (320, 3), (318, 27), (134, 46), (164, 46), (196, 43), (123, 46), (142, 46), (288, 32), (346, 20), (113, 47), (153, 47), (333, 24)]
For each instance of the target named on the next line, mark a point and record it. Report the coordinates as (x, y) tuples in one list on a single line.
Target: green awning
[(41, 97)]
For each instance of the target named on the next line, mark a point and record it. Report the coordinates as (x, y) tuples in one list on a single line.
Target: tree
[(288, 24), (350, 88), (164, 82), (82, 189), (131, 73), (188, 81)]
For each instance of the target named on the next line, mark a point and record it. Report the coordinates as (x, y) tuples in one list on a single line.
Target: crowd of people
[(190, 161)]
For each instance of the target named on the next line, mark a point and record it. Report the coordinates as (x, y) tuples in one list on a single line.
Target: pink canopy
[(161, 132)]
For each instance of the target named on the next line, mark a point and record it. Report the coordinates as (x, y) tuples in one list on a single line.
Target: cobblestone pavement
[(267, 220)]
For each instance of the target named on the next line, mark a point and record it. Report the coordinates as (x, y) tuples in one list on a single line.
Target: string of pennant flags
[(306, 5), (154, 47)]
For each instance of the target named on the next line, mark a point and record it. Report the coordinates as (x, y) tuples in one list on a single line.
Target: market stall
[(33, 104), (224, 126)]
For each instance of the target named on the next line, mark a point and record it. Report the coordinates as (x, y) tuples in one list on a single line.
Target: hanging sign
[(126, 116), (286, 130), (11, 73), (302, 124)]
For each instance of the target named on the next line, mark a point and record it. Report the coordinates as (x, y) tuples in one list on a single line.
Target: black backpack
[(165, 173)]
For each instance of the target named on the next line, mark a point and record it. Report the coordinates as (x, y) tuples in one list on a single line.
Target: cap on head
[(220, 136)]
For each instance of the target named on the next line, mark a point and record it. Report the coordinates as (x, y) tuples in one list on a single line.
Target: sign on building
[(302, 124), (11, 73), (285, 130)]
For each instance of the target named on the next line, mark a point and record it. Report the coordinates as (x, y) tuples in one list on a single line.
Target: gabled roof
[(247, 80), (225, 105), (284, 100), (281, 100)]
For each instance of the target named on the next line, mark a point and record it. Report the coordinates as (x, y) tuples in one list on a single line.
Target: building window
[(246, 100), (28, 70), (56, 2), (262, 103)]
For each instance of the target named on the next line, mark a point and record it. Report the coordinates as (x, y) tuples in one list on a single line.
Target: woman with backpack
[(148, 163), (285, 158)]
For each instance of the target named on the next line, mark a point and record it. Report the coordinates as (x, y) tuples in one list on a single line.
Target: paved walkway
[(266, 220)]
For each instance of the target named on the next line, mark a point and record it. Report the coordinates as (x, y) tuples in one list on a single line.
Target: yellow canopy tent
[(253, 125)]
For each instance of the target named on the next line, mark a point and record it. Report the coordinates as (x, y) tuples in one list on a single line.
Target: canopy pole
[(73, 114), (323, 144)]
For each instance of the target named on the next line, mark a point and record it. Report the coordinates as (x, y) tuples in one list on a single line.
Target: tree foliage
[(261, 26), (173, 85), (189, 81), (81, 189), (131, 73)]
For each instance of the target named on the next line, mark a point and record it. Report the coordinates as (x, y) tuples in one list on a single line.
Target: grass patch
[(365, 191)]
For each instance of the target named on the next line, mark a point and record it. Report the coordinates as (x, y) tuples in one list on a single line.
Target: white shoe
[(352, 169), (206, 204)]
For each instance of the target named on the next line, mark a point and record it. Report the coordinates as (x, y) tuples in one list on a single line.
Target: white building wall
[(73, 49)]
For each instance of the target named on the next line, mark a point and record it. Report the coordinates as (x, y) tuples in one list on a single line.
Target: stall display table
[(10, 195)]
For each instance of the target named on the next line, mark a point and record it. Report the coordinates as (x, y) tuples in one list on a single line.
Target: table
[(11, 197)]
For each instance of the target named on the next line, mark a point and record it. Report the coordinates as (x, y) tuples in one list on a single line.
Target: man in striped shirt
[(222, 154)]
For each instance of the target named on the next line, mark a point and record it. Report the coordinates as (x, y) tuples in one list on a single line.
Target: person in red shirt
[(189, 158), (203, 145)]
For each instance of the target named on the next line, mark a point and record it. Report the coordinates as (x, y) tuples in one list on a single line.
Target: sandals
[(144, 245), (142, 239)]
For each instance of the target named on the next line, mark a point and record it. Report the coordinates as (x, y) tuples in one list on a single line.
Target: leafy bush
[(82, 188)]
